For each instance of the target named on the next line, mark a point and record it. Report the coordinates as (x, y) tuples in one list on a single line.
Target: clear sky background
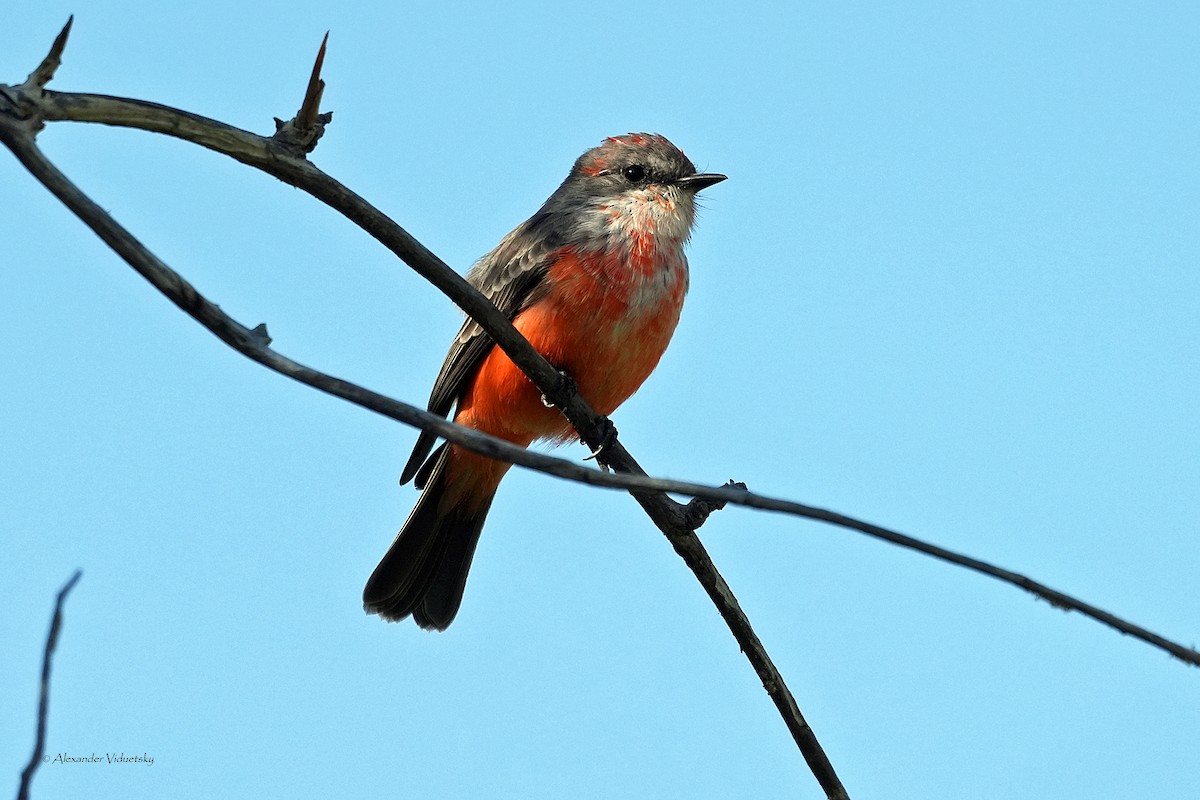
[(951, 286)]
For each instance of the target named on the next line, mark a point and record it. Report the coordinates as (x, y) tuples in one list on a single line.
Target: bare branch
[(689, 548), (39, 745), (257, 152)]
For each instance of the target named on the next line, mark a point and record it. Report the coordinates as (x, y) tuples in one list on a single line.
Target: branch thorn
[(45, 71), (301, 132), (260, 336), (306, 117)]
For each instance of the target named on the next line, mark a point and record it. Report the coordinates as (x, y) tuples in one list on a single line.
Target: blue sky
[(951, 286)]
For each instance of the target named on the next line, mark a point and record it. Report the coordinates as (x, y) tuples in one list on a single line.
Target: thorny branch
[(39, 744), (24, 109), (266, 154)]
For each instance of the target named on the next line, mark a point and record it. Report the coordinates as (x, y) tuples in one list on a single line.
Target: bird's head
[(639, 179)]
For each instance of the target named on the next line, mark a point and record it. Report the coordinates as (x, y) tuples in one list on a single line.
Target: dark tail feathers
[(424, 572)]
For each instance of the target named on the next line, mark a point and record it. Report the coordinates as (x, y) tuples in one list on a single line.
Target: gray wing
[(513, 277)]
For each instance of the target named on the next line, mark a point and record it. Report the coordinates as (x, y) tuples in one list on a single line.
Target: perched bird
[(595, 280)]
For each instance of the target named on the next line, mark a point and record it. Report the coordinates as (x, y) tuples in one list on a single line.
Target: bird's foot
[(566, 385), (608, 436)]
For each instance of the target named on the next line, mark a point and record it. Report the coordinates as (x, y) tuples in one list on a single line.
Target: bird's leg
[(608, 436)]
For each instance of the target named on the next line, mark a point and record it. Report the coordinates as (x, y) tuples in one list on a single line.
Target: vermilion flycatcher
[(595, 281)]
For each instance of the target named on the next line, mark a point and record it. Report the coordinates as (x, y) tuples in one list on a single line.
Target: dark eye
[(634, 173)]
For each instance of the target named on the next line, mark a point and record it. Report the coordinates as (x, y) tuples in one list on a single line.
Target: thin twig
[(39, 745)]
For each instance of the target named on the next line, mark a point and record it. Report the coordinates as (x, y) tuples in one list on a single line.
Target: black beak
[(703, 180)]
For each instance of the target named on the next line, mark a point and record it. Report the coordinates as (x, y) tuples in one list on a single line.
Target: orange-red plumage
[(589, 327)]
